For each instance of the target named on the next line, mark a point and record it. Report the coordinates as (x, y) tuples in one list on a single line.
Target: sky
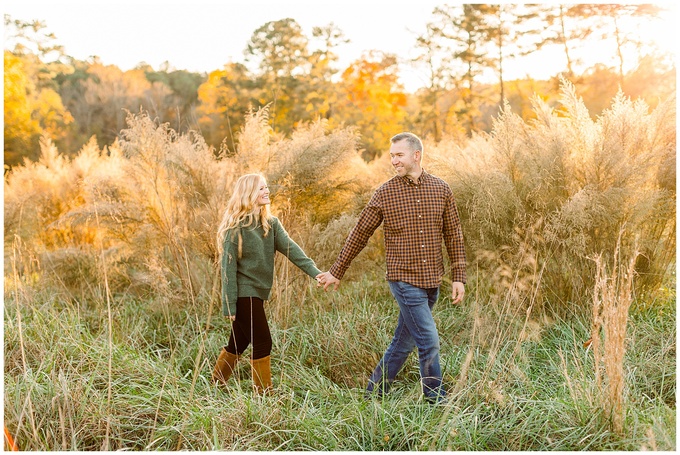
[(203, 35)]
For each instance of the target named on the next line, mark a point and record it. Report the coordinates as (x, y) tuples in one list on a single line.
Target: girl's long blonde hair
[(243, 210)]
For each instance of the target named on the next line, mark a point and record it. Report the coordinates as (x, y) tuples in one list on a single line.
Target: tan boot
[(262, 375), (224, 368)]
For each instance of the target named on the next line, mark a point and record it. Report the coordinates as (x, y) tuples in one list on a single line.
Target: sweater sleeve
[(286, 246), (228, 273)]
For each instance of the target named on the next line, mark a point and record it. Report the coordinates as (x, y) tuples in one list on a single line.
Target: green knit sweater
[(252, 274)]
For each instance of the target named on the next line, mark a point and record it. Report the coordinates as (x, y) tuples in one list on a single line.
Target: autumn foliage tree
[(372, 99), (297, 76), (33, 106), (20, 128), (31, 110), (224, 98)]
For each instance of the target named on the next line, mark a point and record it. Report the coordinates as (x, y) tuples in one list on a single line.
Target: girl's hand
[(231, 318)]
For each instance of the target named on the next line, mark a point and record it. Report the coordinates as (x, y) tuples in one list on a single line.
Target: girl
[(247, 239)]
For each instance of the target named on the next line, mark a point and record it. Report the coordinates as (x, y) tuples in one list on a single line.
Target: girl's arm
[(228, 274), (286, 246)]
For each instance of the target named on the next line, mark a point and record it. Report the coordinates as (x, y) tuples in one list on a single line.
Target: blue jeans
[(415, 328)]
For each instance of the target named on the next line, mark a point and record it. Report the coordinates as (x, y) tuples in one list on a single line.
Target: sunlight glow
[(662, 32)]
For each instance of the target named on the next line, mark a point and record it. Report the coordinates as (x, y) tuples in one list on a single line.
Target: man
[(418, 212)]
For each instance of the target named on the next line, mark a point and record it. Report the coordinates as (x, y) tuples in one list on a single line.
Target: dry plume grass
[(153, 200), (612, 298), (572, 182)]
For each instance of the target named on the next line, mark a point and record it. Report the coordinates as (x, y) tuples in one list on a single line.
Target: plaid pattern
[(417, 217)]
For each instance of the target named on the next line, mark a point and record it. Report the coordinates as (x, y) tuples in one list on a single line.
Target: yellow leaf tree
[(21, 128), (372, 99)]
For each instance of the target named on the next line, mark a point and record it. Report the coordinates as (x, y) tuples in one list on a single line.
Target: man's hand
[(457, 292), (326, 279)]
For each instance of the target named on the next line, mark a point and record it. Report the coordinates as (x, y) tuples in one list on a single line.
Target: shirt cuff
[(458, 275), (337, 272)]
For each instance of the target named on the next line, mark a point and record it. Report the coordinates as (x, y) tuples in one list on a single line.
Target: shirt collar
[(420, 180)]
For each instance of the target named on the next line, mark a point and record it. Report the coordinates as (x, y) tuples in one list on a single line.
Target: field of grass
[(134, 375), (112, 317)]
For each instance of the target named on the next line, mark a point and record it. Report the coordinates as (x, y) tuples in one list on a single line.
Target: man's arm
[(369, 220), (453, 240)]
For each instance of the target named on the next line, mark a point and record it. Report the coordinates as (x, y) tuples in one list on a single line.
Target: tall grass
[(111, 311), (547, 196), (563, 187), (535, 392), (612, 298)]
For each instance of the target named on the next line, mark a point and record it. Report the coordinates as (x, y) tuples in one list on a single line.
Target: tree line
[(48, 93)]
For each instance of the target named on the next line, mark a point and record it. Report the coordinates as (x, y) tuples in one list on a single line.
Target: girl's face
[(263, 195)]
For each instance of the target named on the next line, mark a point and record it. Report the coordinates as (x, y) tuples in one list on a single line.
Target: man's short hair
[(413, 141)]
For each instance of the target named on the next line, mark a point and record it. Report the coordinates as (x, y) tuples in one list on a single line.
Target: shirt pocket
[(438, 205), (398, 244), (396, 231), (394, 226)]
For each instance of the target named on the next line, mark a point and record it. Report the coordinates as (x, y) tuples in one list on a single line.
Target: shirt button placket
[(420, 225)]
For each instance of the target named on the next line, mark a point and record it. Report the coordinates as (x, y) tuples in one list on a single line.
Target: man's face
[(403, 159)]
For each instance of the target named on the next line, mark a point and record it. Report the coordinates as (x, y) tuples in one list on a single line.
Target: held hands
[(457, 292), (326, 279)]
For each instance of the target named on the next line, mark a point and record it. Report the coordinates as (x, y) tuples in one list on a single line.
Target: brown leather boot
[(262, 375), (224, 367)]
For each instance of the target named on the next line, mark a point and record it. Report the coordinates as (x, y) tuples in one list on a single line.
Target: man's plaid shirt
[(418, 217)]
